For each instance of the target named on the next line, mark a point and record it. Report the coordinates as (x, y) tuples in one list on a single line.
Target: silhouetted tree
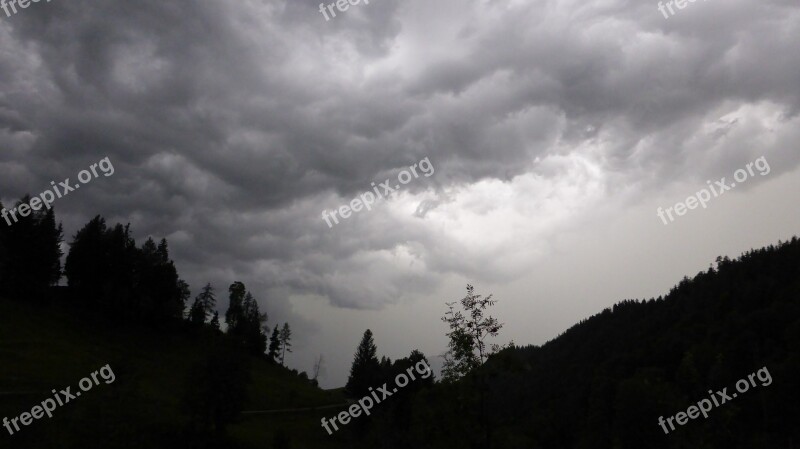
[(197, 315), (255, 330), (235, 313), (245, 322), (468, 333), (366, 369), (159, 289), (100, 267), (203, 306), (104, 266), (317, 368), (396, 417), (285, 338), (50, 236), (467, 349), (30, 257), (274, 344)]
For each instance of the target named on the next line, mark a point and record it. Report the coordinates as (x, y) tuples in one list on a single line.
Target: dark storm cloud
[(233, 125)]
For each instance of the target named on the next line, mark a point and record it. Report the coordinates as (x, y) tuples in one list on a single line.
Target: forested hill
[(605, 382)]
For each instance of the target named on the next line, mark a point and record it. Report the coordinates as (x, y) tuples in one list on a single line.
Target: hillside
[(45, 347), (605, 382)]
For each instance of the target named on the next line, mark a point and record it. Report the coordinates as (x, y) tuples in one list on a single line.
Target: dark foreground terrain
[(604, 383)]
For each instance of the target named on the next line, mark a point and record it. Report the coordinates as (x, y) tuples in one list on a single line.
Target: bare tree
[(317, 367)]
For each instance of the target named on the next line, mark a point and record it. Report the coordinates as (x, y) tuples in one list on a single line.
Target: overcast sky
[(555, 129)]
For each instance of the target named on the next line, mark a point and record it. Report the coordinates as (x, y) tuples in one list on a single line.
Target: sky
[(551, 132)]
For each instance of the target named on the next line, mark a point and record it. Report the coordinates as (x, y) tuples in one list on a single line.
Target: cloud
[(232, 127)]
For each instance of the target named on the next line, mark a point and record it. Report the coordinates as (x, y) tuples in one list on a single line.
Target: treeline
[(453, 412), (368, 372), (109, 274), (110, 279), (245, 323), (30, 254), (392, 420), (605, 382)]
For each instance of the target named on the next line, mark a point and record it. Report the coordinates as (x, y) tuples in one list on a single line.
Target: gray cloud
[(232, 127)]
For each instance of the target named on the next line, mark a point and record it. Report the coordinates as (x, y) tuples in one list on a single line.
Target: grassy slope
[(46, 347)]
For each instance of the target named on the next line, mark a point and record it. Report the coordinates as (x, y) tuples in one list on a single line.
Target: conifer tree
[(105, 267), (365, 370), (234, 314), (285, 338), (245, 322), (32, 252), (254, 331), (203, 306), (274, 344), (51, 235), (100, 268), (208, 300), (197, 315)]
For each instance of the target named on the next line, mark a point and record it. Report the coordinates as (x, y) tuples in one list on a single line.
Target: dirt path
[(294, 410)]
